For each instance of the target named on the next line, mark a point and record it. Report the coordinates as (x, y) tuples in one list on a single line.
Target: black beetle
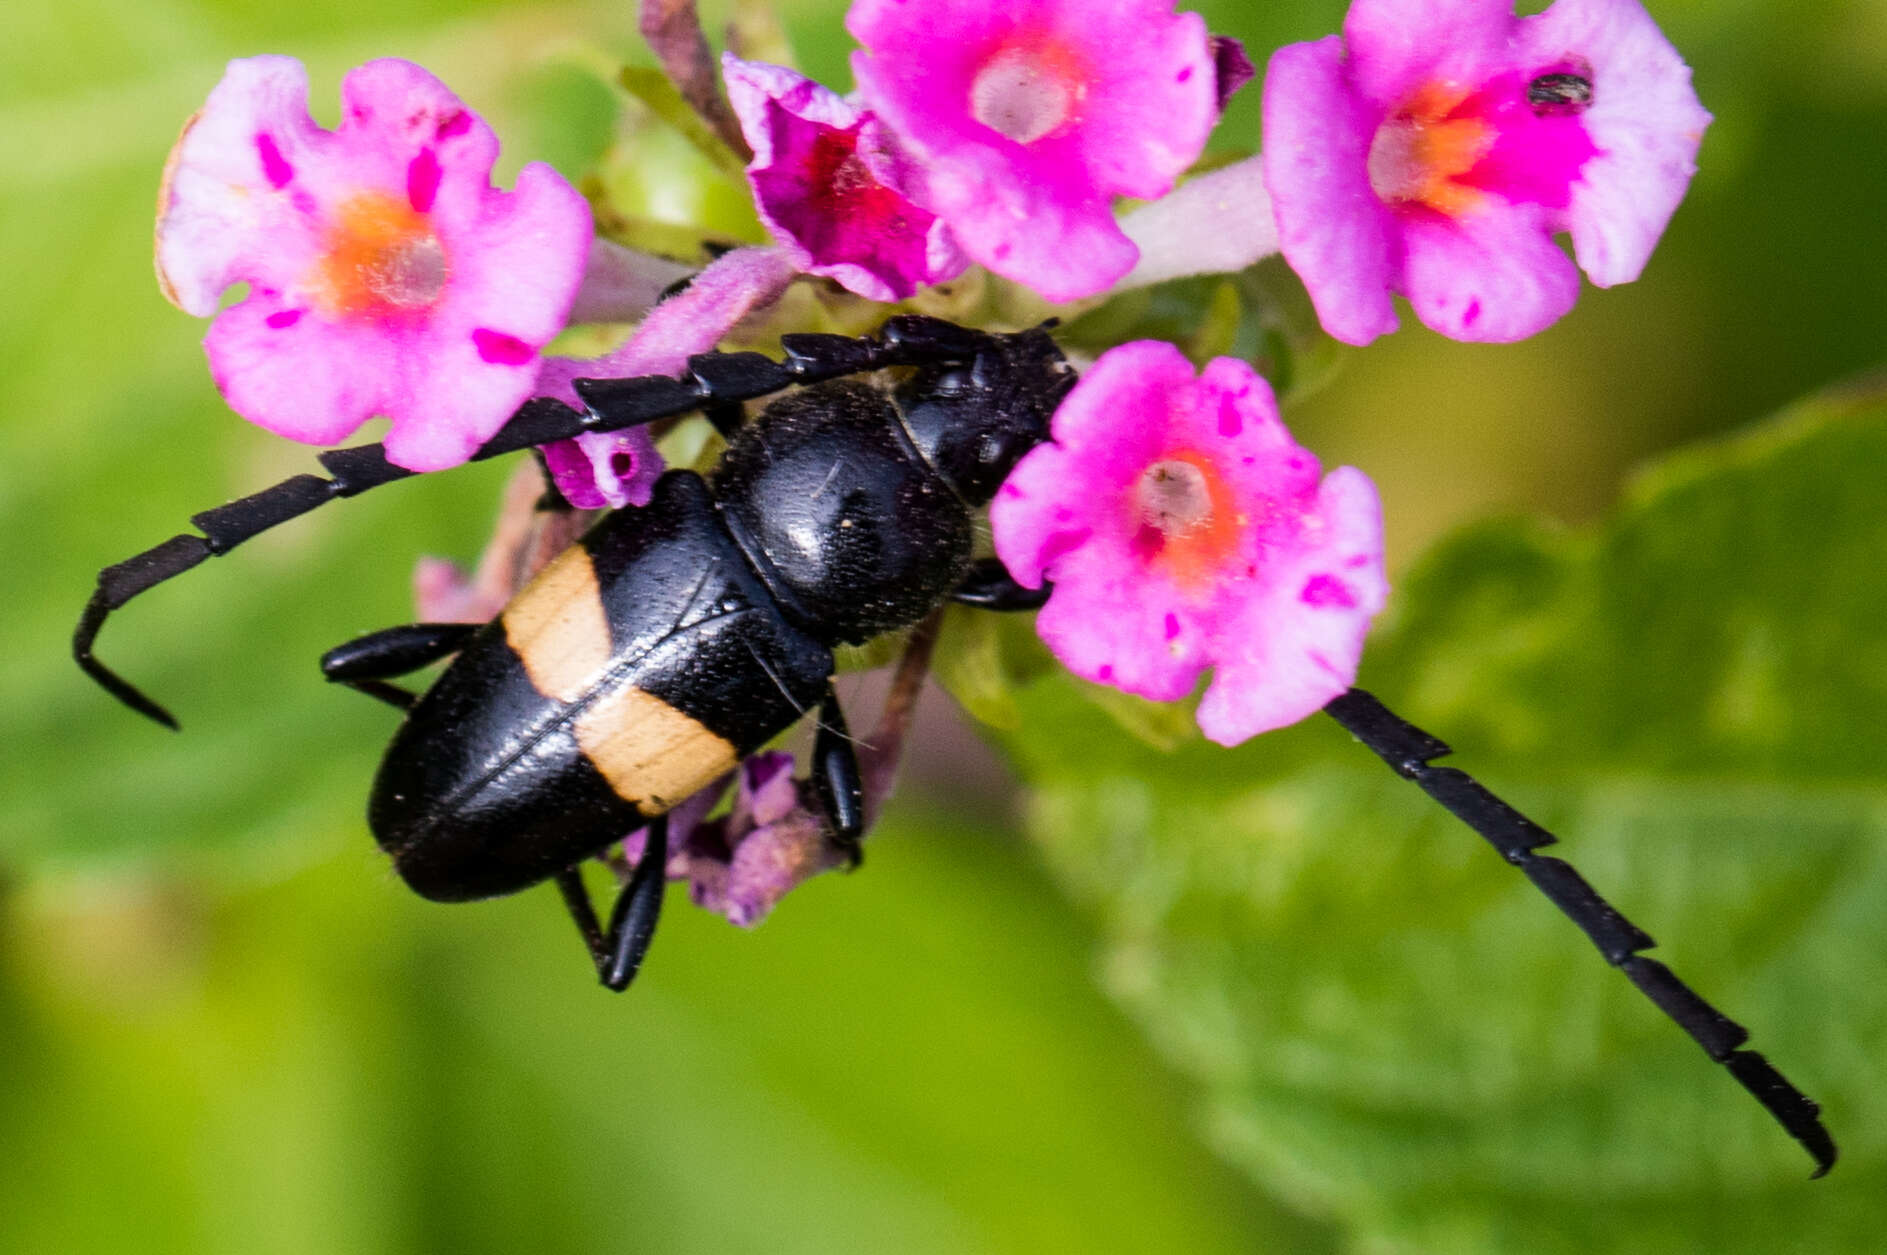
[(673, 640)]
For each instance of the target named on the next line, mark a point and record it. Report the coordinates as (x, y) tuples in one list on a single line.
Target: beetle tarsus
[(619, 950), (632, 922), (989, 586)]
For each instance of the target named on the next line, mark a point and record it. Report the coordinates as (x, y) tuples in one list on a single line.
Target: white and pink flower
[(1182, 528), (1028, 119), (386, 275), (1435, 149)]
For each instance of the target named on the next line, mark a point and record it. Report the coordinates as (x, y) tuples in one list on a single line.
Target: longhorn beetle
[(674, 639)]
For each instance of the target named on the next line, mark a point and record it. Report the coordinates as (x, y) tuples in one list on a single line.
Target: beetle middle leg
[(367, 662), (619, 950)]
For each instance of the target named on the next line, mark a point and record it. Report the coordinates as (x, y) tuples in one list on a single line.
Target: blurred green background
[(1261, 1000)]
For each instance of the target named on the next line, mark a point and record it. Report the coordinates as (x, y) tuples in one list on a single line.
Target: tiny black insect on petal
[(1553, 95)]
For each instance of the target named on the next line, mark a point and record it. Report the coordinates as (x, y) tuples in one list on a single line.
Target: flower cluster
[(1429, 151)]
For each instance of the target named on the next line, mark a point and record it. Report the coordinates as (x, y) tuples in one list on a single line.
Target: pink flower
[(1028, 119), (386, 276), (740, 865), (1182, 529), (1435, 149), (830, 184)]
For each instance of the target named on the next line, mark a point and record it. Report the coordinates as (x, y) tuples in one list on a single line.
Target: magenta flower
[(1434, 150), (831, 185), (771, 841), (1182, 528), (1027, 120), (386, 275)]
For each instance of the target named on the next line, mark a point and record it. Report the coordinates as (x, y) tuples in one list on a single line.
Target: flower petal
[(1396, 44), (316, 382), (1437, 147), (1494, 277), (1183, 528), (692, 321), (1333, 230), (1292, 651), (221, 218)]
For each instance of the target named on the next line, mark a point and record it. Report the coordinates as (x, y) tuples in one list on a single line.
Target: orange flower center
[(1029, 89), (1420, 152), (381, 258), (1186, 523)]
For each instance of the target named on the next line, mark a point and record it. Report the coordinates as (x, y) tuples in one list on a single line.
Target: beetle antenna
[(1408, 750), (713, 382)]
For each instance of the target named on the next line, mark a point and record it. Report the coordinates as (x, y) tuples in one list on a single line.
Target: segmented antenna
[(713, 382), (1408, 750)]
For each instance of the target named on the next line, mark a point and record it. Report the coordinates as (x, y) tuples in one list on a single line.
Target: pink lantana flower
[(386, 275), (1435, 149), (832, 187), (1182, 528), (741, 865), (1028, 119)]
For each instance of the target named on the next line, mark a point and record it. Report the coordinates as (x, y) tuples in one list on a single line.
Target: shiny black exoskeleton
[(672, 640)]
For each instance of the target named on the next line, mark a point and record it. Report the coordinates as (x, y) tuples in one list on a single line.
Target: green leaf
[(1390, 1026)]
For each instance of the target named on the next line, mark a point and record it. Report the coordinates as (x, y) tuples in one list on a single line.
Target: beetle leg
[(618, 952), (837, 779), (632, 922), (576, 899), (989, 586), (727, 417), (365, 662)]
